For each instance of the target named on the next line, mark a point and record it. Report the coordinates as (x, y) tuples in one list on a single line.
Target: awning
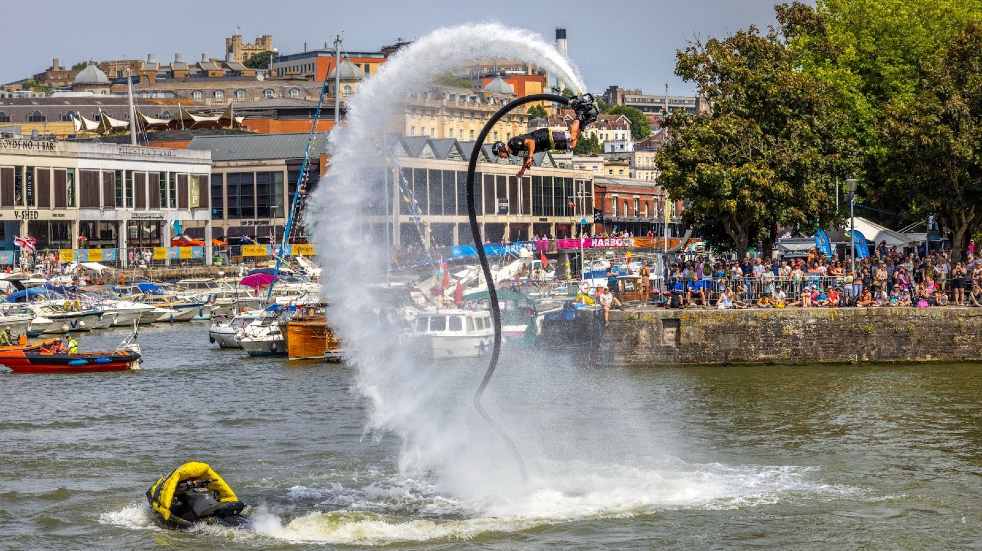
[(32, 292)]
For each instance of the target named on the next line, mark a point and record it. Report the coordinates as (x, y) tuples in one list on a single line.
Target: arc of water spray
[(486, 269)]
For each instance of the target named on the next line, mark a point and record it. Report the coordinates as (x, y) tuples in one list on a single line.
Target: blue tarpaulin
[(149, 288), (490, 249), (32, 292)]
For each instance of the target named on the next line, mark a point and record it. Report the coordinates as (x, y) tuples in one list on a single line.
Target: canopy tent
[(876, 234), (108, 124), (83, 124), (149, 288), (188, 119), (153, 122)]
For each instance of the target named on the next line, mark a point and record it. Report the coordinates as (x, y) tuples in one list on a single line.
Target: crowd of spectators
[(889, 277)]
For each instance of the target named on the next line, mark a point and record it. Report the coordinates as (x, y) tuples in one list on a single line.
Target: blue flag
[(859, 241), (822, 242)]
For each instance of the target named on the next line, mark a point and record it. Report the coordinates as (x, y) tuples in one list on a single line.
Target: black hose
[(483, 258)]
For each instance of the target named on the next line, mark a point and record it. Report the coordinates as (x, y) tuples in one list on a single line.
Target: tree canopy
[(769, 151), (537, 112), (260, 60)]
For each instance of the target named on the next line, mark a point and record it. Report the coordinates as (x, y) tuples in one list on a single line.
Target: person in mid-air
[(544, 139)]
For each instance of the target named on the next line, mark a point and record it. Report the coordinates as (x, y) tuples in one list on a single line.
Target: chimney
[(55, 65), (149, 58), (561, 41), (177, 58), (204, 58), (304, 45)]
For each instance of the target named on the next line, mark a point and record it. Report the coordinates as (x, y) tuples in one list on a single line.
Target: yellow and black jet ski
[(194, 492)]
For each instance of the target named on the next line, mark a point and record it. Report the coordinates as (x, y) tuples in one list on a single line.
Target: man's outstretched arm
[(529, 155)]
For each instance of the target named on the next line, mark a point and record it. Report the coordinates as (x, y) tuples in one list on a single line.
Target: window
[(438, 323), (456, 323), (217, 212), (162, 189), (118, 179), (412, 130), (67, 117), (130, 190), (19, 186), (421, 324), (240, 94), (269, 194), (294, 92), (347, 89), (637, 206), (4, 117), (36, 116), (613, 204), (219, 95), (70, 187), (241, 195), (172, 189), (268, 93), (197, 95)]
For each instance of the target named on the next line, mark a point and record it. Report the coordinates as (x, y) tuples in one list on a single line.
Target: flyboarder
[(544, 139)]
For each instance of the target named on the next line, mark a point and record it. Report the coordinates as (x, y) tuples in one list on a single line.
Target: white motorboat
[(68, 318), (224, 330), (16, 325), (13, 312), (263, 337), (173, 315), (449, 334)]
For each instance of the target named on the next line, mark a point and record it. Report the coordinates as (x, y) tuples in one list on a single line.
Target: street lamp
[(851, 186)]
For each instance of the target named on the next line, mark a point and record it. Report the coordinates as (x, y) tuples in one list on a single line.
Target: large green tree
[(933, 162), (873, 53), (769, 151), (260, 60)]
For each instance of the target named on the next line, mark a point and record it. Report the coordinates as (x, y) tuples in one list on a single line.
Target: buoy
[(103, 360), (78, 361)]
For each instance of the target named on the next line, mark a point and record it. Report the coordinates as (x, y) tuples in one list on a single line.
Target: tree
[(259, 61), (934, 162), (640, 128), (768, 152), (588, 145), (79, 66), (537, 112)]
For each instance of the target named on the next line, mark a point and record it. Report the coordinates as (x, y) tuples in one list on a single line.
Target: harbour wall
[(651, 337)]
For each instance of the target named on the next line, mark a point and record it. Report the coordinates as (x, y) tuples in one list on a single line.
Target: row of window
[(247, 195), (240, 94), (444, 192), (642, 207)]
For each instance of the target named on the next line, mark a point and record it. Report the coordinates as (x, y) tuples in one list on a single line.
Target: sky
[(628, 43)]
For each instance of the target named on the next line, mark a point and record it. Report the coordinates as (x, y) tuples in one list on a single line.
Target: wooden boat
[(45, 357), (308, 336)]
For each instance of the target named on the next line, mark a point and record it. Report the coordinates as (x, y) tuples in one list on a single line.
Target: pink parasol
[(257, 280)]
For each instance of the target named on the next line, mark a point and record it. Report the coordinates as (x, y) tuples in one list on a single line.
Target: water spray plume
[(406, 398)]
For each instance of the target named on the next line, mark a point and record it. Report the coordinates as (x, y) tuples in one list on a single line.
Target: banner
[(185, 253), (93, 255), (66, 256), (7, 257), (255, 250), (197, 252), (859, 241), (302, 249), (87, 255), (822, 242), (160, 253)]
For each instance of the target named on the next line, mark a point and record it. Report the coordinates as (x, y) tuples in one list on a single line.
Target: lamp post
[(851, 186)]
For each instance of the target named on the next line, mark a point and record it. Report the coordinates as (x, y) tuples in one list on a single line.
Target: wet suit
[(545, 140)]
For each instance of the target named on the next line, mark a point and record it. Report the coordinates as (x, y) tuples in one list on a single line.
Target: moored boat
[(47, 357), (308, 336)]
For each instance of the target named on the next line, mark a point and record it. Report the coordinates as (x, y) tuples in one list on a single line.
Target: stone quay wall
[(660, 337)]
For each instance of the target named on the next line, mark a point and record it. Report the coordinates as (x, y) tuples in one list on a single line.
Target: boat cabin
[(454, 322)]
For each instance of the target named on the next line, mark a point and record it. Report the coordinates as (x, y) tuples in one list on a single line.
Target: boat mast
[(129, 89)]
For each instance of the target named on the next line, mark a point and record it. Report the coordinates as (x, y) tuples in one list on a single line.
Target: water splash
[(408, 398)]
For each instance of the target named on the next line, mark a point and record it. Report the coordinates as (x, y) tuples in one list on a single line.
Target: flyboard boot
[(586, 109)]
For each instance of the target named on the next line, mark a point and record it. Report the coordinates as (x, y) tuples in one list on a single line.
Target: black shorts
[(956, 283)]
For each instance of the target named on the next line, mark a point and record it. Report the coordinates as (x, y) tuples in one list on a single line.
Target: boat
[(48, 356), (308, 336), (224, 330), (451, 334), (194, 493), (263, 337), (172, 315), (68, 316)]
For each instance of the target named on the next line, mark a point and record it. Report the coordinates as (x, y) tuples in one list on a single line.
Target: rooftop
[(258, 147)]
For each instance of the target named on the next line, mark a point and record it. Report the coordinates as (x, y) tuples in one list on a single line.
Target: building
[(120, 198), (317, 64), (431, 174), (93, 80), (627, 204), (252, 182), (239, 51), (56, 76), (460, 113), (653, 103), (614, 132)]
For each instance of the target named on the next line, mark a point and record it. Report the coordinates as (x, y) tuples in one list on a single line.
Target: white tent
[(95, 267), (876, 233), (83, 124)]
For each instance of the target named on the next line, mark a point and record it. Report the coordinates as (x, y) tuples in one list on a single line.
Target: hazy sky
[(630, 43)]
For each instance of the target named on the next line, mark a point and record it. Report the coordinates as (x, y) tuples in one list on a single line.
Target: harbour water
[(843, 457)]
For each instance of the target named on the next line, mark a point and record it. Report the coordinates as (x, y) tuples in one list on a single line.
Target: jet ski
[(194, 493)]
